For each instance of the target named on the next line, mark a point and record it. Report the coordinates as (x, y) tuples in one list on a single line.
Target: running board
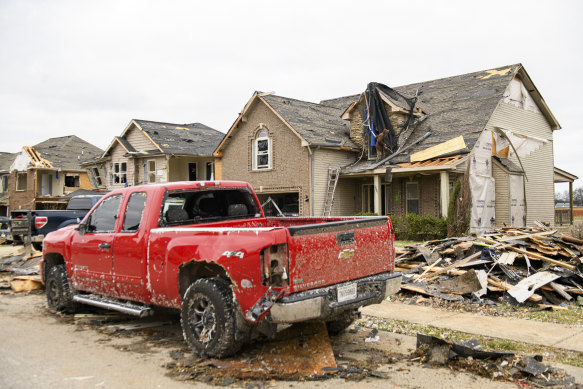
[(114, 305)]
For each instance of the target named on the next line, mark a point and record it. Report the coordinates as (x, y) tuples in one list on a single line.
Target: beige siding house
[(150, 152)]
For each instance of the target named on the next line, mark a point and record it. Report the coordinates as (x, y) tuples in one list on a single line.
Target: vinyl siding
[(344, 199), (139, 140), (502, 195), (538, 166)]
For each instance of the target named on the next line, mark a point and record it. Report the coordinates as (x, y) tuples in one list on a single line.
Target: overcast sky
[(88, 67)]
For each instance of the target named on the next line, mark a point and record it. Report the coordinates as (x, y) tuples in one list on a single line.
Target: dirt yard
[(94, 349)]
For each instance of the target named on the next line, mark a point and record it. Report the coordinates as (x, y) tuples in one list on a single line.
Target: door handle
[(104, 246)]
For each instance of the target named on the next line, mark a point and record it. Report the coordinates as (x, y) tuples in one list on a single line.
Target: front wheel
[(59, 290), (208, 318)]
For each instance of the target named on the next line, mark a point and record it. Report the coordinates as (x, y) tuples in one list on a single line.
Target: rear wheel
[(59, 290), (208, 318)]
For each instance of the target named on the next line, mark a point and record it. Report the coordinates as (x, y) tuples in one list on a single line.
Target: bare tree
[(578, 196)]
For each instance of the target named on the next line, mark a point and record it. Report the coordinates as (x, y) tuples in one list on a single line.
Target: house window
[(413, 197), (262, 152), (119, 175), (368, 198), (209, 171), (152, 170), (21, 179), (72, 181), (372, 150), (96, 176), (4, 184)]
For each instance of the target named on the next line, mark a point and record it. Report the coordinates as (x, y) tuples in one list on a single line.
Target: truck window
[(80, 203), (204, 206), (104, 217), (134, 211)]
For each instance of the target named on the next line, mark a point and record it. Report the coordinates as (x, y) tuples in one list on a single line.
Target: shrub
[(419, 228)]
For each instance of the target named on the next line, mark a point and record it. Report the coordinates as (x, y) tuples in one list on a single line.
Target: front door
[(91, 252), (192, 171)]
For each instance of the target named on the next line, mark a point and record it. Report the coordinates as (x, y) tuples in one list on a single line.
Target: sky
[(87, 68)]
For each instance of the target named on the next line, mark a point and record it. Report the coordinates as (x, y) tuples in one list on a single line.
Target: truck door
[(130, 251), (91, 251)]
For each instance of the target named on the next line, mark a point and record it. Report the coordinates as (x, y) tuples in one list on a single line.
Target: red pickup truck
[(206, 248)]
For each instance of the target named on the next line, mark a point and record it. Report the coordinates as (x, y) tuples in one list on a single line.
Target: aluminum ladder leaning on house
[(333, 175)]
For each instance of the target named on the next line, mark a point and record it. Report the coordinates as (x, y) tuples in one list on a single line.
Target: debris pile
[(19, 269), (502, 365), (522, 264)]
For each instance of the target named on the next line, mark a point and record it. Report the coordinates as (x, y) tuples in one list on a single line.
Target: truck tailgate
[(335, 252)]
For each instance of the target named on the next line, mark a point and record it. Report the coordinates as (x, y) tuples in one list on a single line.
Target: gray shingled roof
[(67, 152), (6, 160), (459, 105), (182, 139), (341, 102), (317, 124), (126, 144)]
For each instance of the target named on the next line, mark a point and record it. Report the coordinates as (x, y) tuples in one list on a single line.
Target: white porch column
[(377, 195), (444, 192)]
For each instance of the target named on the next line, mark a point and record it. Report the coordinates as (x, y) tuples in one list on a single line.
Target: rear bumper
[(322, 303)]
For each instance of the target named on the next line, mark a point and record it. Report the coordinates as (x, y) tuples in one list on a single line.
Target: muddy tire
[(342, 322), (208, 318), (59, 290)]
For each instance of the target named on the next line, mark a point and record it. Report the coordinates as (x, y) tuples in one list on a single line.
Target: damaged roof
[(6, 160), (315, 123), (458, 105), (67, 152), (182, 139)]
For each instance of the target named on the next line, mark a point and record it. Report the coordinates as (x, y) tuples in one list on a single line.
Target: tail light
[(40, 222), (274, 265)]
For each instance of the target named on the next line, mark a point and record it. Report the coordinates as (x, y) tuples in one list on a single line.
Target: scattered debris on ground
[(538, 265), (19, 271), (498, 365)]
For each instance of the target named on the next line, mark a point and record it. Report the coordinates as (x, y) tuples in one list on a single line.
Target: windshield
[(204, 205)]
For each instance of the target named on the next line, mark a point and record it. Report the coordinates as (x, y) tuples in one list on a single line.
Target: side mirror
[(82, 228)]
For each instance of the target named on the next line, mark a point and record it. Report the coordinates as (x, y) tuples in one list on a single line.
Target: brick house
[(41, 176), (282, 147), (492, 124), (149, 152)]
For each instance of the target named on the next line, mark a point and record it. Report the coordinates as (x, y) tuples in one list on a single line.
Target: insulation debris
[(522, 264)]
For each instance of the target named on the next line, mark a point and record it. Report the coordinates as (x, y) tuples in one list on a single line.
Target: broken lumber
[(529, 253)]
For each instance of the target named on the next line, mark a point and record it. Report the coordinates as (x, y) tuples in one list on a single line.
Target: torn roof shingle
[(182, 139), (459, 105), (317, 124), (67, 152)]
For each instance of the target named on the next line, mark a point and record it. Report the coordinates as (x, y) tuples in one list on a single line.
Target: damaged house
[(41, 176), (396, 151), (148, 152)]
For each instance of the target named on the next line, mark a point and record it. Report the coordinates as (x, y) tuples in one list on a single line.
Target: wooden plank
[(449, 146), (530, 254), (523, 236)]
